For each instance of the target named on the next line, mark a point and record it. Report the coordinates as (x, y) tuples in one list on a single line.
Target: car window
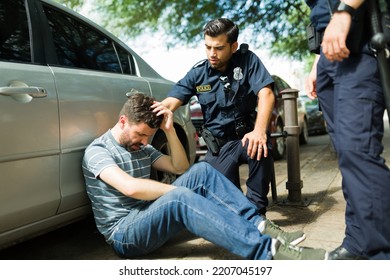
[(14, 32), (79, 45), (126, 60)]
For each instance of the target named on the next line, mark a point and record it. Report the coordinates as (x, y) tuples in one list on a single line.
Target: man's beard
[(216, 66), (133, 147), (129, 145)]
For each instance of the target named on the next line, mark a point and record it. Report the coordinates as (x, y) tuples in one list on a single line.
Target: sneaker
[(275, 231), (285, 251)]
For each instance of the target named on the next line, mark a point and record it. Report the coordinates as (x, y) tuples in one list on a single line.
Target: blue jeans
[(205, 203)]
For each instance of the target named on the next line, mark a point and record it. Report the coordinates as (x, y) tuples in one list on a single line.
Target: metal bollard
[(294, 183)]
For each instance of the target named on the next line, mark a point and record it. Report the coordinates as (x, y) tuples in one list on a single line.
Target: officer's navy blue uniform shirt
[(321, 13), (218, 109)]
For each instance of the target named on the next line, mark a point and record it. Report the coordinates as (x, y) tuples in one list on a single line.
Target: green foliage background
[(278, 25)]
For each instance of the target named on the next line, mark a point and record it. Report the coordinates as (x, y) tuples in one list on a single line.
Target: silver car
[(63, 80)]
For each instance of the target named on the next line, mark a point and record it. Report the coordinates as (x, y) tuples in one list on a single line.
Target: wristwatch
[(342, 7)]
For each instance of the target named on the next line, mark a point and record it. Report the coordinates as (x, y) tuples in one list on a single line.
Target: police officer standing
[(346, 80), (234, 90)]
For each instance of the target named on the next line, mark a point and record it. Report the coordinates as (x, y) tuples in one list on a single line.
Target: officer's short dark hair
[(137, 110), (221, 26)]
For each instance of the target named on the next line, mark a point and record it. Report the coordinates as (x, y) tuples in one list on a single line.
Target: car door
[(29, 142), (92, 85)]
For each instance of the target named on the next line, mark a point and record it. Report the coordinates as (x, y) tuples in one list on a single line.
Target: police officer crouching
[(234, 90)]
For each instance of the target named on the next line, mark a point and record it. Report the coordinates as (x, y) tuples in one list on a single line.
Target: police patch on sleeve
[(203, 88)]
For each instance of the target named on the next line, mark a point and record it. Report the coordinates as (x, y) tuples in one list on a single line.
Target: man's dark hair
[(221, 26), (137, 110)]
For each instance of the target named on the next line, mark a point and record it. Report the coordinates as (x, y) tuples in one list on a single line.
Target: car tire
[(160, 143), (304, 135), (279, 143)]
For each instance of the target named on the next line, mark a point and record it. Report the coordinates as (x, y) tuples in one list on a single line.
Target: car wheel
[(160, 142), (279, 149), (304, 136)]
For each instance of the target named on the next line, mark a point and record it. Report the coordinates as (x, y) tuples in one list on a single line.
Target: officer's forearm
[(172, 103), (266, 100)]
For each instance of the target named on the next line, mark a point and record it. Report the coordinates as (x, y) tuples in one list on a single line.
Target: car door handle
[(35, 92), (22, 92)]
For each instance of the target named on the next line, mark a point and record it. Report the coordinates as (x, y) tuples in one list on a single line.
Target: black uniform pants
[(231, 156), (351, 98)]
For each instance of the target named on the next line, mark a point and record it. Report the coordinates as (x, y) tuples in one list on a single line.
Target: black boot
[(340, 253)]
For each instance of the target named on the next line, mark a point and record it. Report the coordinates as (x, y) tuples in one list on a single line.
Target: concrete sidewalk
[(321, 215)]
